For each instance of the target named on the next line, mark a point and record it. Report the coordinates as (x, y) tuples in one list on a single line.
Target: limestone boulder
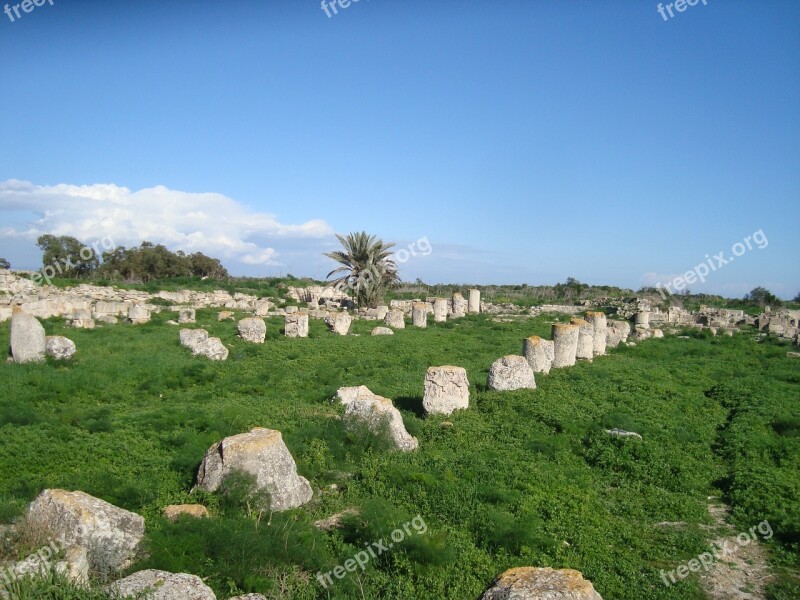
[(252, 330), (339, 322), (138, 315), (446, 390), (211, 348), (585, 348), (539, 353), (395, 319), (419, 314), (347, 394), (224, 315), (382, 331), (59, 347), (262, 454), (249, 597), (296, 325), (191, 337), (565, 345), (110, 535), (616, 333), (174, 511), (531, 583), (161, 585), (380, 416), (510, 373), (27, 338), (187, 315)]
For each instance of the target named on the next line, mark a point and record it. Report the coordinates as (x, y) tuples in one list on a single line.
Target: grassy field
[(521, 478)]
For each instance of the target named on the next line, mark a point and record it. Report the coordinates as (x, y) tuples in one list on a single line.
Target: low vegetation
[(521, 478)]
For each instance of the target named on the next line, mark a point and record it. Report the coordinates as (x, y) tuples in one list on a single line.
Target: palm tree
[(366, 267)]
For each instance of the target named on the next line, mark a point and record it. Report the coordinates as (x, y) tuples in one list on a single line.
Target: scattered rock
[(381, 417), (440, 310), (348, 394), (339, 322), (252, 330), (382, 331), (446, 390), (793, 355), (59, 347), (174, 511), (296, 325), (261, 453), (138, 315), (81, 318), (211, 348), (335, 521), (539, 353), (161, 585), (27, 338), (510, 373), (191, 337), (395, 319), (186, 315), (224, 315), (531, 583), (622, 433), (110, 535), (419, 314)]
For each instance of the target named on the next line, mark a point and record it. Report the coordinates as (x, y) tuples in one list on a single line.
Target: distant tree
[(154, 261), (67, 256), (366, 267), (797, 298), (762, 297), (4, 264)]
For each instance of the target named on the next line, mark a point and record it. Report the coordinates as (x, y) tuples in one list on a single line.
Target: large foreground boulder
[(531, 583), (380, 416), (110, 535), (59, 347), (161, 585), (510, 373), (446, 390), (262, 454), (27, 338)]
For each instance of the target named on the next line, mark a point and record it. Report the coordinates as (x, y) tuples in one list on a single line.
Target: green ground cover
[(521, 478)]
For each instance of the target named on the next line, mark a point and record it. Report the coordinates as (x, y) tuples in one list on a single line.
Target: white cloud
[(193, 222)]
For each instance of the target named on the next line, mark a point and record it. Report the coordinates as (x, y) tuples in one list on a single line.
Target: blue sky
[(526, 141)]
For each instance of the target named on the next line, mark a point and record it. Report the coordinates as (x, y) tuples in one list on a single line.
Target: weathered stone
[(59, 347), (335, 521), (174, 511), (599, 324), (565, 344), (212, 348), (640, 333), (460, 305), (395, 319), (250, 596), (191, 337), (107, 319), (642, 319), (531, 583), (161, 585), (348, 394), (296, 325), (474, 303), (262, 454), (440, 310), (82, 319), (657, 333), (382, 331), (510, 373), (138, 315), (380, 416), (187, 315), (539, 353), (419, 314), (110, 535), (585, 349), (27, 338), (622, 433), (224, 315), (617, 332), (252, 330), (339, 322), (262, 307), (446, 390)]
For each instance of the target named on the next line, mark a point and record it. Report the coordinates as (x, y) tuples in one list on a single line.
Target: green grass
[(521, 478)]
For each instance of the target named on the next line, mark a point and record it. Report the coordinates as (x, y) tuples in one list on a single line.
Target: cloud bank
[(193, 222)]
